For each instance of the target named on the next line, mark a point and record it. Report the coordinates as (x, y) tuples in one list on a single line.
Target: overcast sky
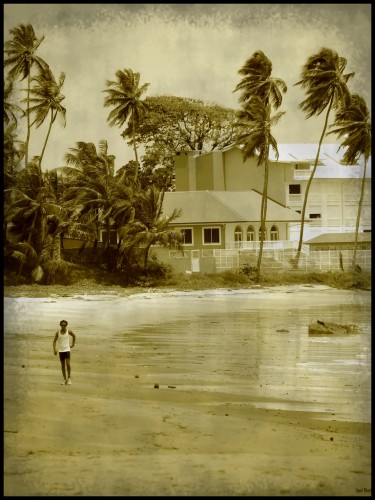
[(188, 50)]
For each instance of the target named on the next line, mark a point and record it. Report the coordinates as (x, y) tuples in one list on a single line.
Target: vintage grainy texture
[(202, 393)]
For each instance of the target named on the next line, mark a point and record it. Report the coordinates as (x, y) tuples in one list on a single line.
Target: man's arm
[(54, 343), (74, 337)]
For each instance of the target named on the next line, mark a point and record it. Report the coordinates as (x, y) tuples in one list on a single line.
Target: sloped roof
[(340, 238), (206, 207)]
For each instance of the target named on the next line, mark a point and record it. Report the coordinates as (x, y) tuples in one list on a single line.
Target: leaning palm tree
[(21, 58), (353, 124), (258, 82), (46, 99), (326, 87), (125, 96), (255, 122)]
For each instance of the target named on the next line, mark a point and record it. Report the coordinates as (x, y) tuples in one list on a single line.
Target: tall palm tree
[(21, 58), (326, 87), (352, 123), (255, 122), (46, 99), (125, 96), (149, 227), (258, 86)]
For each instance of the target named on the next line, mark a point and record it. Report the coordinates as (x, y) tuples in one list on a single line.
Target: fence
[(274, 259)]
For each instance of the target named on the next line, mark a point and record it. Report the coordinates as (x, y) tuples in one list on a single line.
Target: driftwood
[(325, 328)]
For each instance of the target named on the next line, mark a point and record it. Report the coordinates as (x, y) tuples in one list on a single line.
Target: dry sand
[(247, 403)]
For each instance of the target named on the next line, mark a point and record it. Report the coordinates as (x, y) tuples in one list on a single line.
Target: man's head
[(63, 323)]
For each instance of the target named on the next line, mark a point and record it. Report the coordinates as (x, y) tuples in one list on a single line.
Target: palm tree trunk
[(297, 257), (135, 152), (28, 121), (46, 139), (359, 214), (263, 213)]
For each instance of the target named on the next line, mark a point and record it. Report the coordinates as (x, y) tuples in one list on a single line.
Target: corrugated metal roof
[(202, 207), (340, 238)]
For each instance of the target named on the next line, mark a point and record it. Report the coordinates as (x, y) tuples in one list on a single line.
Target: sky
[(185, 50)]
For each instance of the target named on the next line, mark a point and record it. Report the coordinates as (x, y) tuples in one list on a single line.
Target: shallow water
[(252, 345)]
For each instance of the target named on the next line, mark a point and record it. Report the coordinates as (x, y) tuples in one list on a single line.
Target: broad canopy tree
[(177, 123)]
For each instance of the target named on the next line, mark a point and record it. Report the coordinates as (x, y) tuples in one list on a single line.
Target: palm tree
[(31, 203), (353, 124), (125, 96), (258, 81), (326, 87), (21, 58), (258, 86), (150, 226), (256, 139), (47, 100), (10, 109), (93, 191)]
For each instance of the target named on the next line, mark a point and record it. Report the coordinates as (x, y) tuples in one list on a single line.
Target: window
[(187, 235), (250, 234), (262, 236), (211, 235), (274, 233), (315, 216), (238, 236), (294, 189)]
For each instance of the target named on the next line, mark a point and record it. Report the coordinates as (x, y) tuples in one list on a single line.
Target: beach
[(206, 393)]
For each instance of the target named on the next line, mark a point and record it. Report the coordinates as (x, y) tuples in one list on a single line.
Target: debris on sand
[(326, 328)]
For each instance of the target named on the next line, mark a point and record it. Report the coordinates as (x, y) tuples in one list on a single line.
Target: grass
[(90, 279)]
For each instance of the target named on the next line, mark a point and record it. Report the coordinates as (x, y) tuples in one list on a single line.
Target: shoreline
[(40, 291)]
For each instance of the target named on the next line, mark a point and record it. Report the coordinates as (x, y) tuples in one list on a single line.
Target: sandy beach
[(189, 393)]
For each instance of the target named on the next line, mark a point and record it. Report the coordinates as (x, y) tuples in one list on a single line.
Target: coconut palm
[(46, 99), (125, 96), (326, 87), (254, 121), (149, 227), (258, 81), (21, 58), (10, 109), (32, 202), (352, 123), (93, 190), (258, 86)]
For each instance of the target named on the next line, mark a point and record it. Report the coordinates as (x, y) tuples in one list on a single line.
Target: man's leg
[(62, 361), (68, 368)]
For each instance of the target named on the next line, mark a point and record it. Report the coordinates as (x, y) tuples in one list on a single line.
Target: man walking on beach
[(62, 340)]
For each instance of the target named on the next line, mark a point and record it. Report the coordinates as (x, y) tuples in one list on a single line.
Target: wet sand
[(247, 403)]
